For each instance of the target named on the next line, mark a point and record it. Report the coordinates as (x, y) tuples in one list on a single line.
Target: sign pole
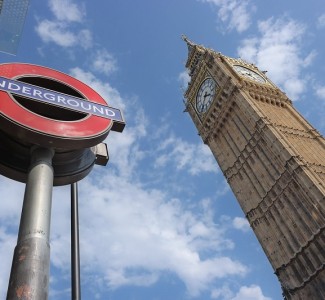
[(68, 121), (29, 278), (75, 252)]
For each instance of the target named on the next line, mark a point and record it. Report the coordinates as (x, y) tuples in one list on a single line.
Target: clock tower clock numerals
[(205, 95), (248, 73)]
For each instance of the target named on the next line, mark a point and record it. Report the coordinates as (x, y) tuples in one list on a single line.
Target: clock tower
[(273, 160)]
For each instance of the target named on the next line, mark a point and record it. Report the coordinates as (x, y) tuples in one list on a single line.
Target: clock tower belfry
[(273, 160)]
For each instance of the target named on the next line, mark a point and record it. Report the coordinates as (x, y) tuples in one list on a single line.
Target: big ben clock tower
[(273, 160)]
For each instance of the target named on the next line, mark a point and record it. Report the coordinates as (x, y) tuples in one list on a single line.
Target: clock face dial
[(205, 95), (249, 74)]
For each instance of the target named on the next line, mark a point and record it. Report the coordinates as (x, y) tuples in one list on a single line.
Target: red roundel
[(46, 125)]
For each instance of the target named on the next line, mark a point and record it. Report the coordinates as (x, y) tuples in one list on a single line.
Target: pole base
[(29, 278)]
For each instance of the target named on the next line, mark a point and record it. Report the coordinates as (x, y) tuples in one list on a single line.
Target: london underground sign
[(52, 109), (59, 99), (51, 131)]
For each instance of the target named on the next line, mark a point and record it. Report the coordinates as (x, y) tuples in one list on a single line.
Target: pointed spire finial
[(190, 44)]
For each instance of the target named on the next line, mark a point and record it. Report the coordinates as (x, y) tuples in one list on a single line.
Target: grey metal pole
[(75, 252), (29, 277)]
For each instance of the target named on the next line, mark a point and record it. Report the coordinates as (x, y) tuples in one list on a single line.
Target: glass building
[(12, 18)]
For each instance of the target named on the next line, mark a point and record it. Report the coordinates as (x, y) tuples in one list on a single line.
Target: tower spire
[(190, 44), (195, 53)]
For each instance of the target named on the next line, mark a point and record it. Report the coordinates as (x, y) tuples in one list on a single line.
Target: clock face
[(249, 74), (205, 95)]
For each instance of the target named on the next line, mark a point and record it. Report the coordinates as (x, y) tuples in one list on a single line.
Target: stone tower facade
[(273, 160)]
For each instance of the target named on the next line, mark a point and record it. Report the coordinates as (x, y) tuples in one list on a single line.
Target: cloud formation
[(104, 62), (321, 21), (236, 15), (241, 224), (148, 234), (320, 91), (252, 292), (61, 30), (279, 50), (183, 155), (67, 10)]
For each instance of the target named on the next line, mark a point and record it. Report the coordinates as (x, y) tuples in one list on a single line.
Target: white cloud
[(320, 91), (60, 30), (252, 292), (84, 39), (122, 147), (104, 62), (195, 158), (12, 193), (278, 50), (184, 78), (131, 236), (235, 13), (10, 210), (7, 244), (55, 32), (223, 188), (321, 21), (241, 224), (67, 10), (222, 293), (110, 94)]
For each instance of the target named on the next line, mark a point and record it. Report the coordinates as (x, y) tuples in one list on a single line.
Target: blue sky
[(159, 222)]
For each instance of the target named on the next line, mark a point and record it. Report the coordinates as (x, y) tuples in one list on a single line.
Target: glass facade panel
[(12, 18)]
